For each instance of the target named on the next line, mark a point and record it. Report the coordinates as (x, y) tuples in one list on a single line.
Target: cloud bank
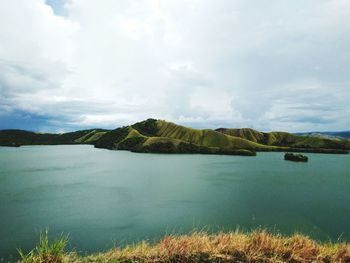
[(269, 65)]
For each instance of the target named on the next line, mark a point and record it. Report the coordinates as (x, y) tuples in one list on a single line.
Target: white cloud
[(262, 64)]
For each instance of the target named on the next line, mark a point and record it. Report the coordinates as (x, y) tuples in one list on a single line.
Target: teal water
[(103, 198)]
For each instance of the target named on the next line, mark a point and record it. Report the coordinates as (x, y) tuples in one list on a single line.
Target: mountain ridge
[(329, 134), (160, 136)]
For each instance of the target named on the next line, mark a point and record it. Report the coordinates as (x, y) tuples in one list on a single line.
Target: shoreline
[(235, 152), (235, 246)]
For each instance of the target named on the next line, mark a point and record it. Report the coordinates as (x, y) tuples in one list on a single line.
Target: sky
[(265, 64)]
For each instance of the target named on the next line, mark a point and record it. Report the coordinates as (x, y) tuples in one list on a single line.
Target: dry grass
[(258, 246)]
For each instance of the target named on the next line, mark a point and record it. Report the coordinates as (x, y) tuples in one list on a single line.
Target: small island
[(296, 157)]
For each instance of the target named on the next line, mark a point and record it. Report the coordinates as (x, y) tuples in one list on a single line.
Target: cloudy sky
[(265, 64)]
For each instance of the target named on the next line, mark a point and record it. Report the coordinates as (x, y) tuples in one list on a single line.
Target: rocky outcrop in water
[(295, 157)]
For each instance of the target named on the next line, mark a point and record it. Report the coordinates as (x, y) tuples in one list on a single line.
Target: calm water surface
[(104, 198)]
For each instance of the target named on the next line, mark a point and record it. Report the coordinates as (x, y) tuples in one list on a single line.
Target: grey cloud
[(271, 64)]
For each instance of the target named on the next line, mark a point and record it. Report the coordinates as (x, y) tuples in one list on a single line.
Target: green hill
[(159, 136), (20, 137), (285, 139), (165, 137)]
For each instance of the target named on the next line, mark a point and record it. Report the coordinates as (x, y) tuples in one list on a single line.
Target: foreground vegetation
[(257, 246), (159, 136)]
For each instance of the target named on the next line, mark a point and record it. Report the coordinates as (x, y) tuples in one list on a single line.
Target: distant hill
[(334, 135), (343, 134), (20, 137), (159, 136), (285, 139)]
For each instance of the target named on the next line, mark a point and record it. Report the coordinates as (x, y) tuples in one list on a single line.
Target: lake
[(103, 198)]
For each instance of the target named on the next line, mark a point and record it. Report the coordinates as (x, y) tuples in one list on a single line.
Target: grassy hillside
[(207, 137), (159, 136), (165, 137), (19, 137), (148, 136), (257, 246), (285, 139)]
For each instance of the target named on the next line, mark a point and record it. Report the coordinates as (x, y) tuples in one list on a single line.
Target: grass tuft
[(44, 252)]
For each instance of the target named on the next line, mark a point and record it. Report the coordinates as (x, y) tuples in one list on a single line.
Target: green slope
[(166, 137), (159, 136), (285, 139), (19, 137), (207, 137)]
